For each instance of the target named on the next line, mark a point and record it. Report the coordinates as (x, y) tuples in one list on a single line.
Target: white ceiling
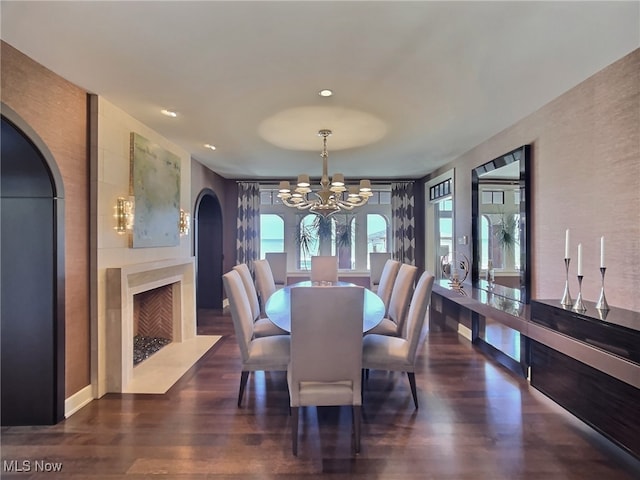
[(416, 83)]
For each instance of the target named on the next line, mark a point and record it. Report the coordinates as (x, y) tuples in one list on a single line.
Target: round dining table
[(278, 307)]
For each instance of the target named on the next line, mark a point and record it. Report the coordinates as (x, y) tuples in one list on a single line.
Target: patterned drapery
[(403, 221), (248, 235)]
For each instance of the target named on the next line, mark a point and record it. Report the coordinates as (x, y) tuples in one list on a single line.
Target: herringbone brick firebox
[(153, 313)]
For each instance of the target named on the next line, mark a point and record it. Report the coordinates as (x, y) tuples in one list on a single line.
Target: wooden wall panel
[(57, 111)]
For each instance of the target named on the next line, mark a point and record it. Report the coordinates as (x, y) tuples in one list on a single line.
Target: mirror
[(500, 225)]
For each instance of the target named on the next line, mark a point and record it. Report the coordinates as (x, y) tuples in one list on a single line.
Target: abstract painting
[(155, 185)]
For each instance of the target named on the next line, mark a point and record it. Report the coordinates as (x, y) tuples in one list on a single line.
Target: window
[(377, 234), (444, 229), (271, 233), (343, 234), (484, 242), (308, 241), (491, 197)]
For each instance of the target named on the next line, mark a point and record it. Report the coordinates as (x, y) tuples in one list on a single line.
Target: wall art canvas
[(155, 185)]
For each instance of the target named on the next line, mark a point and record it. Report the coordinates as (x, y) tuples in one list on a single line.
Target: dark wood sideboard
[(601, 400), (587, 362)]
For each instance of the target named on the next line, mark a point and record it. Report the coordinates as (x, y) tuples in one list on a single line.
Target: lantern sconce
[(184, 223), (124, 215)]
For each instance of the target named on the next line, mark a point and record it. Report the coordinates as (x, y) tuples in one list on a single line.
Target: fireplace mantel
[(128, 280)]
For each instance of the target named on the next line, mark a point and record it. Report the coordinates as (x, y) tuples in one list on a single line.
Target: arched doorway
[(208, 250), (32, 276)]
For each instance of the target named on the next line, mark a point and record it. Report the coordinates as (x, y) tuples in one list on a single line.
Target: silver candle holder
[(602, 301), (579, 305), (566, 297)]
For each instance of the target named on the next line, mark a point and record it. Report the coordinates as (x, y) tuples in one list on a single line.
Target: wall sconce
[(124, 215), (183, 224)]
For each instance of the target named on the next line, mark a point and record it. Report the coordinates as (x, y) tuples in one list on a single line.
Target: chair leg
[(243, 382), (294, 430), (357, 416), (412, 383)]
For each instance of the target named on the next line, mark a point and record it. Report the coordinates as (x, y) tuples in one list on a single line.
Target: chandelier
[(331, 197)]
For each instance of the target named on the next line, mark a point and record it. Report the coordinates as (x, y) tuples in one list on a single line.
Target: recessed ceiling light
[(169, 113), (325, 93), (209, 146)]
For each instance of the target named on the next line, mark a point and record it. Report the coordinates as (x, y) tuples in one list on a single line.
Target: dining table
[(278, 306)]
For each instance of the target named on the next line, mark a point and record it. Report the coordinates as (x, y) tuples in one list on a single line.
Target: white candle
[(601, 252), (579, 259), (566, 244)]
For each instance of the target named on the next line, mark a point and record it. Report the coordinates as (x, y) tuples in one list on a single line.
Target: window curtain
[(248, 242), (403, 221)]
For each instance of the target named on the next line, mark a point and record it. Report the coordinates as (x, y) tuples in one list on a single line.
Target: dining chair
[(324, 268), (387, 279), (383, 352), (278, 263), (265, 353), (326, 353), (393, 323), (262, 326), (264, 282), (377, 261)]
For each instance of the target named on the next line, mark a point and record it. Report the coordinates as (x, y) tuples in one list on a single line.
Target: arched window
[(308, 241), (377, 234), (271, 233)]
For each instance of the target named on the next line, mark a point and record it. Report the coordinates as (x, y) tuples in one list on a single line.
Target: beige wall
[(57, 111), (586, 177), (112, 181)]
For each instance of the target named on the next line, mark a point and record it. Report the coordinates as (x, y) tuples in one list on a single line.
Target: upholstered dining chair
[(387, 280), (265, 353), (278, 263), (377, 262), (264, 282), (262, 327), (324, 268), (382, 352), (393, 323), (326, 353)]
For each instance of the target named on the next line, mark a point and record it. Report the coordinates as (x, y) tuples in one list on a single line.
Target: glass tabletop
[(278, 307)]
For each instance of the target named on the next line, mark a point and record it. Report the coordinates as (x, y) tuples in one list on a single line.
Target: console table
[(588, 362), (602, 399)]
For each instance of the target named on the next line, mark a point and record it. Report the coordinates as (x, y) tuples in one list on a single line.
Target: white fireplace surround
[(125, 282)]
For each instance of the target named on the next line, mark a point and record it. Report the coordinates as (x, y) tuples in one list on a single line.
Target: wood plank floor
[(476, 421)]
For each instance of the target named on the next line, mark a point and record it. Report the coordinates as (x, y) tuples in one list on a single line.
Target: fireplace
[(174, 277), (152, 322)]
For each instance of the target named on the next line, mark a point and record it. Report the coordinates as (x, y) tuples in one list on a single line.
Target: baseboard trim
[(78, 400)]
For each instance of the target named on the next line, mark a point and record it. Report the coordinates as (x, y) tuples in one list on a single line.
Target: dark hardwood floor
[(476, 421)]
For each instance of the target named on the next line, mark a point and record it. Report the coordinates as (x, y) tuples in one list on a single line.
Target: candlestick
[(566, 244), (579, 305), (566, 297), (602, 301), (579, 259), (602, 252)]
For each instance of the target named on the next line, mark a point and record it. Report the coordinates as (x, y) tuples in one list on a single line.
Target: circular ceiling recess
[(297, 128)]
